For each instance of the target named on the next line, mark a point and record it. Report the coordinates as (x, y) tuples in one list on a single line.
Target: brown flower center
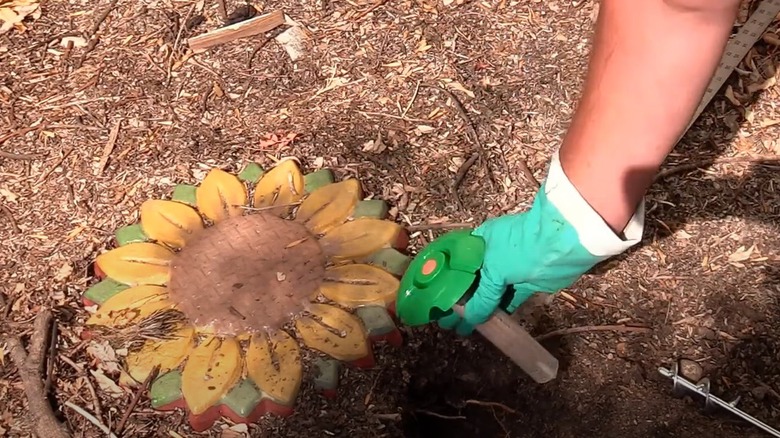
[(246, 274)]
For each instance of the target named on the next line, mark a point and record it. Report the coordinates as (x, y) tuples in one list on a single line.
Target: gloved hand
[(544, 249)]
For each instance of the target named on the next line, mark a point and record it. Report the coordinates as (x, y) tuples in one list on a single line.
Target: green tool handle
[(512, 339)]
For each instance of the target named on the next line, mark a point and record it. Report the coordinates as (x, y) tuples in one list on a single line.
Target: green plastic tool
[(442, 276)]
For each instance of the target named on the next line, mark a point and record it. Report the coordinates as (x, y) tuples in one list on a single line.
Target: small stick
[(14, 156), (52, 355), (182, 25), (95, 399), (472, 134), (11, 218), (711, 161), (445, 417), (491, 404), (29, 365), (56, 164), (95, 27), (441, 226), (528, 174), (136, 397), (593, 328), (253, 26), (222, 10), (411, 101), (257, 49), (112, 136), (91, 418)]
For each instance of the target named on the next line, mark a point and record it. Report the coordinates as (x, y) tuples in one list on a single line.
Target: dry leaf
[(731, 97), (425, 129), (64, 272), (741, 254), (8, 195), (105, 355), (423, 45), (236, 431), (13, 12), (455, 85), (765, 85), (107, 385)]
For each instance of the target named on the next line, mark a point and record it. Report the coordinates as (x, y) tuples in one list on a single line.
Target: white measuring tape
[(737, 48)]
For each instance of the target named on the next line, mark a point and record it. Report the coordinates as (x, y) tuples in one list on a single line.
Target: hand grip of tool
[(519, 346), (441, 277)]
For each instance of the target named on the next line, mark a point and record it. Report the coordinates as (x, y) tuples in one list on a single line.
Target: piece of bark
[(30, 366), (251, 27)]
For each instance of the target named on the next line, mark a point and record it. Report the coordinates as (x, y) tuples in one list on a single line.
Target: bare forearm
[(650, 64)]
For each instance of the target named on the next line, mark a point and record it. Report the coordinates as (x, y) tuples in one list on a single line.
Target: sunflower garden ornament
[(230, 287)]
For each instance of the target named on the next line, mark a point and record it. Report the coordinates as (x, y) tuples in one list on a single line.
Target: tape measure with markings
[(737, 48)]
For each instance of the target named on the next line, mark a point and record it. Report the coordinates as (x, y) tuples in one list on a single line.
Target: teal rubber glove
[(544, 249)]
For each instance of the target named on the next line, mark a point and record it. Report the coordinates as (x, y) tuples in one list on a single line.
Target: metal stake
[(703, 389)]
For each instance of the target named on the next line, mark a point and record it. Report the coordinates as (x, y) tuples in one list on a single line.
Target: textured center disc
[(246, 274)]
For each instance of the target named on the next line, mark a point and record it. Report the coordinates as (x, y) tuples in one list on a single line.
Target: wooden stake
[(253, 26)]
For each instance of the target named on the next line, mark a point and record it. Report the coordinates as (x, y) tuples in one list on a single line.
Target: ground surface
[(706, 279)]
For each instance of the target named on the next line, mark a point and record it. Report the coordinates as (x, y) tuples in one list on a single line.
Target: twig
[(13, 156), (441, 226), (182, 25), (446, 417), (30, 365), (253, 26), (393, 116), (92, 31), (369, 10), (222, 10), (93, 393), (528, 174), (136, 397), (52, 354), (472, 134), (11, 218), (411, 101), (257, 49), (112, 136), (461, 175), (593, 328), (270, 207), (91, 418), (712, 161), (56, 164), (491, 404), (391, 417)]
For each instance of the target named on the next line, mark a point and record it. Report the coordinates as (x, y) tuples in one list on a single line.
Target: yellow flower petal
[(137, 263), (282, 185), (280, 380), (329, 206), (359, 238), (212, 369), (349, 345), (168, 354), (131, 306), (170, 222), (358, 285), (221, 195)]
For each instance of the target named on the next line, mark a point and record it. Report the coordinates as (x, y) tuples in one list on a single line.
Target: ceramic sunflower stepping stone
[(223, 286)]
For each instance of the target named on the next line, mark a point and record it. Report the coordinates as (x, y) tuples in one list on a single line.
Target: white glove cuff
[(594, 233)]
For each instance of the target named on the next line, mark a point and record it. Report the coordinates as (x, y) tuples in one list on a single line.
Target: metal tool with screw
[(702, 388)]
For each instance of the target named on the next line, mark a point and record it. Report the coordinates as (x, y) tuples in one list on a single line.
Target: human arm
[(651, 61), (650, 64)]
